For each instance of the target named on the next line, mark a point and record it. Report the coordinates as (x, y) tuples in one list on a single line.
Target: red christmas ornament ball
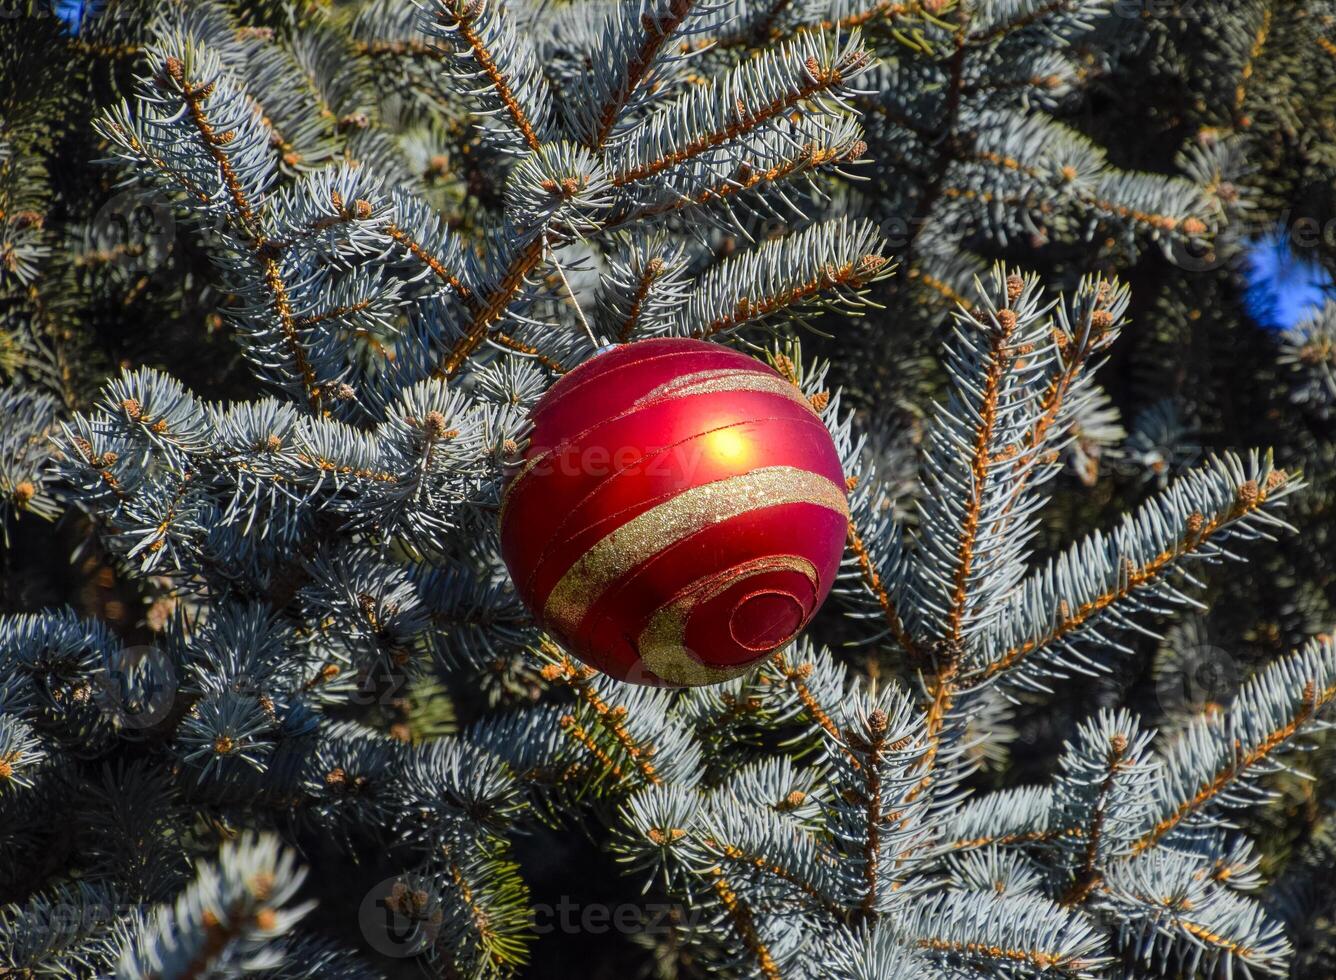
[(680, 512)]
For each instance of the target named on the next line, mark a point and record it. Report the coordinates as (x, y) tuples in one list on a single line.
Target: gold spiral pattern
[(675, 520), (662, 643), (718, 380), (697, 383)]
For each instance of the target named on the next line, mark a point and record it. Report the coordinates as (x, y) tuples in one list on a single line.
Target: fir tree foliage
[(412, 219)]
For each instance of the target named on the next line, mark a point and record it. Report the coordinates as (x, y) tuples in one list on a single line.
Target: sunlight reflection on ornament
[(729, 445)]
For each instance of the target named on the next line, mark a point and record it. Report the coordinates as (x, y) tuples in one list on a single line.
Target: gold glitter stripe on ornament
[(580, 382), (721, 380), (662, 643), (677, 519), (706, 383), (699, 383), (558, 537)]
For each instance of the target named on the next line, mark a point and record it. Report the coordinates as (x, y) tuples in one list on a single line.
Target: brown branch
[(160, 534), (420, 252), (1313, 702), (273, 278), (1054, 397), (103, 256), (939, 286), (740, 917), (735, 708), (573, 729), (872, 579), (748, 120), (482, 920), (219, 932), (872, 809), (942, 688), (159, 163), (852, 274), (1089, 875), (651, 272), (761, 863), (287, 151), (264, 250), (948, 143), (489, 310), (1214, 939), (745, 179), (102, 463), (519, 346), (1192, 928), (1246, 71), (610, 719), (999, 359), (401, 49), (939, 187), (343, 469), (1251, 499), (214, 143), (795, 677), (1160, 222), (941, 699), (463, 24), (1037, 959), (334, 313), (1012, 840), (657, 34), (101, 50)]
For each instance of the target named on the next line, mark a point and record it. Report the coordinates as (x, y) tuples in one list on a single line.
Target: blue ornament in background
[(1284, 288), (75, 14)]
